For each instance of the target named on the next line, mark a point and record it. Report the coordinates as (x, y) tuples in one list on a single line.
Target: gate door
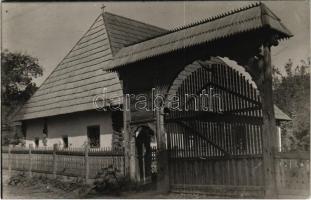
[(214, 139)]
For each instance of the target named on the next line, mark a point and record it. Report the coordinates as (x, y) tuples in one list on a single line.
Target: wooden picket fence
[(235, 173), (293, 173), (240, 174), (72, 162)]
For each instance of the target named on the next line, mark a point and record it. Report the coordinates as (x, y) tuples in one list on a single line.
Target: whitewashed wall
[(74, 126)]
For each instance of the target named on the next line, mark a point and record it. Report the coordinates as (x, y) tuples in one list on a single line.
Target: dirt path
[(37, 191), (33, 192), (10, 192), (46, 191)]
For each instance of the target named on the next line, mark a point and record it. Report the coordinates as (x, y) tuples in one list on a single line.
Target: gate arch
[(213, 147)]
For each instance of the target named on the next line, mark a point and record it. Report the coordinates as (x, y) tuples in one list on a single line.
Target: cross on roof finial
[(103, 7)]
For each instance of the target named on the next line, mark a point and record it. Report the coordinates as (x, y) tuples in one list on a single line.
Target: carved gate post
[(163, 176), (129, 148), (260, 69), (269, 125)]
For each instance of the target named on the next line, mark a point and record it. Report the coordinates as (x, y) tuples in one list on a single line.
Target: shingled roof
[(75, 81), (125, 32), (280, 115), (243, 20)]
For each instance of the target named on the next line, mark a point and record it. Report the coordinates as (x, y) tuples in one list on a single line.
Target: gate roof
[(251, 18)]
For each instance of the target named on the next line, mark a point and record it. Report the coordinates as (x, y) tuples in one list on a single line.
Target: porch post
[(132, 159), (163, 176), (126, 139), (269, 124), (129, 141)]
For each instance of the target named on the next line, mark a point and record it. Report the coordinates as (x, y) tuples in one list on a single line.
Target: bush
[(45, 182), (108, 180), (18, 179)]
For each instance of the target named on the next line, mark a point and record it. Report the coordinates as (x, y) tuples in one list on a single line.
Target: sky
[(49, 30)]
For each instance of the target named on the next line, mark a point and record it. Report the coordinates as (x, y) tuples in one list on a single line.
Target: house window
[(65, 141), (24, 129), (36, 142), (93, 133)]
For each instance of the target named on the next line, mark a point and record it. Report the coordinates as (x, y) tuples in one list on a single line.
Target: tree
[(17, 73), (292, 95)]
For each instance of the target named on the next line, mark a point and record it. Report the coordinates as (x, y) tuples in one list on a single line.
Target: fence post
[(55, 148), (278, 180), (30, 160), (10, 160), (86, 162), (123, 159)]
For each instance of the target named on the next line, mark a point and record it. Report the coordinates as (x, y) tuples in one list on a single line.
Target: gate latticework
[(214, 140)]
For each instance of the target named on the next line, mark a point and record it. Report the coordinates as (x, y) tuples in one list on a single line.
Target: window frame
[(88, 136), (63, 137), (37, 142)]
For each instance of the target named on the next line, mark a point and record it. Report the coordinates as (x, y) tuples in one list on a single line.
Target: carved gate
[(214, 139)]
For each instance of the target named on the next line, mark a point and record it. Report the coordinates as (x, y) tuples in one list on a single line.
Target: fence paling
[(238, 171), (77, 162), (293, 172), (30, 161)]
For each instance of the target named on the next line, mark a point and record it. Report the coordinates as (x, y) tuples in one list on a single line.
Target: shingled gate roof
[(75, 81), (246, 19)]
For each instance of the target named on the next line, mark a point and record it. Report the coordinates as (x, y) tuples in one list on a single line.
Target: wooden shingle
[(123, 31)]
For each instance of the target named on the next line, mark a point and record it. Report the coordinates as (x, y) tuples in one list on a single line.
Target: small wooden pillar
[(132, 159), (269, 130), (126, 140), (129, 139), (163, 170)]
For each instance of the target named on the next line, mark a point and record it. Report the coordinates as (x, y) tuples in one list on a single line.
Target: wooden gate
[(215, 142)]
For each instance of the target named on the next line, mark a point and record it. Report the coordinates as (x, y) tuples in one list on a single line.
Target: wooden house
[(62, 111)]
